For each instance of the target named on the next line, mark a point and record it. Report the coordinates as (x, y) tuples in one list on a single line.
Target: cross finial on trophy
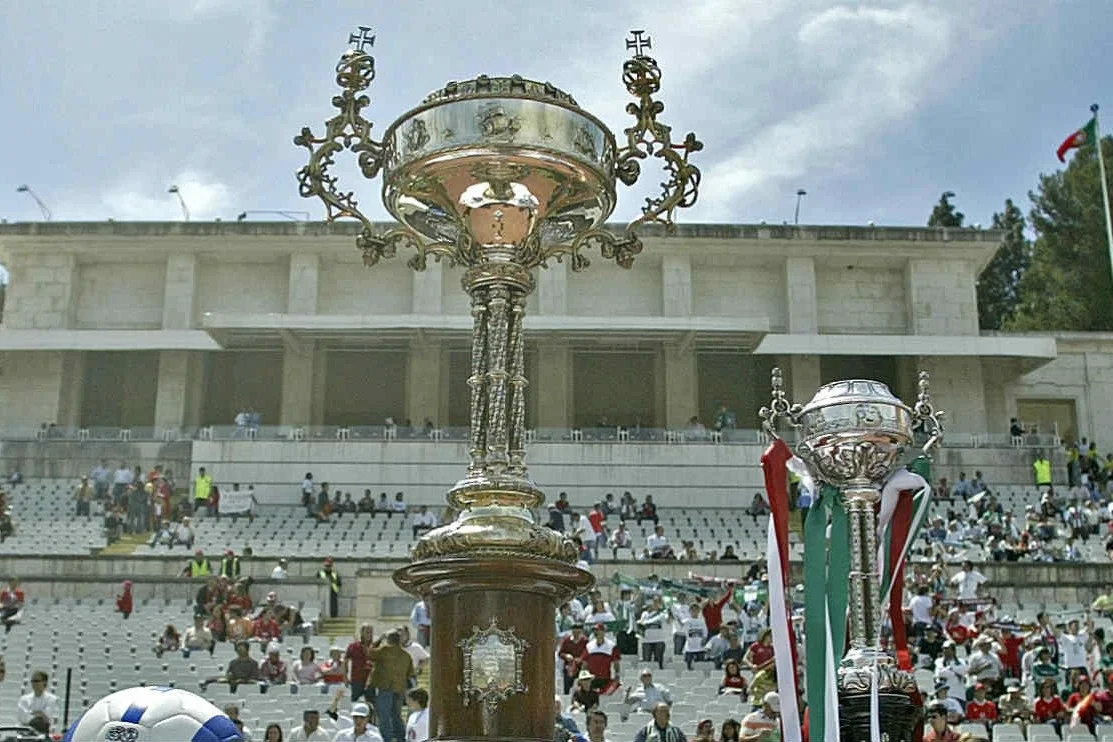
[(362, 39), (638, 43), (778, 407)]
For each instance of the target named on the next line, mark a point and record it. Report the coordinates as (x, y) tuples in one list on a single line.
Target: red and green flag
[(1086, 135)]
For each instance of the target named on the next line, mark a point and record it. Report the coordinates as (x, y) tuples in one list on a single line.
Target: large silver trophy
[(853, 435), (499, 176)]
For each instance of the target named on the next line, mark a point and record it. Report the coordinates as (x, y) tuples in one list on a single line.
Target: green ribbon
[(826, 592)]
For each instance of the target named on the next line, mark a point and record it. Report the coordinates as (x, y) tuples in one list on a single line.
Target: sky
[(874, 108)]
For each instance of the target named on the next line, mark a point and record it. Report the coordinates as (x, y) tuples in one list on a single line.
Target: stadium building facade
[(173, 327)]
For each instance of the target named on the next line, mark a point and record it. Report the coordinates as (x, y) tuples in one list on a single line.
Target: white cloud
[(873, 65), (147, 199)]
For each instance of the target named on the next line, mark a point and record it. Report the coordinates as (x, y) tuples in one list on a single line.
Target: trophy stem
[(478, 444), (864, 584)]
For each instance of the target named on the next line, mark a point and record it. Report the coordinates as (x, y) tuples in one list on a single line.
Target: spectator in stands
[(597, 726), (366, 505), (585, 696), (571, 652), (717, 645), (1044, 668), (1096, 708), (198, 637), (419, 619), (658, 545), (242, 669), (170, 641), (273, 733), (332, 669), (733, 682), (565, 724), (963, 488), (322, 508), (232, 711), (202, 489), (695, 635), (279, 571), (627, 507), (199, 567), (12, 600), (764, 724), (230, 565), (423, 521), (101, 479), (358, 662), (390, 675), (758, 507), (968, 581), (646, 695), (951, 670), (705, 731), (953, 705), (1049, 707), (362, 730), (83, 497), (651, 624), (39, 700), (937, 728), (1075, 646), (418, 655), (1013, 707), (266, 628), (125, 601), (331, 578), (217, 623), (272, 670), (1082, 688), (621, 539), (417, 725), (121, 478), (1042, 468), (626, 614), (383, 505), (399, 505), (603, 658), (310, 728), (648, 511), (730, 731)]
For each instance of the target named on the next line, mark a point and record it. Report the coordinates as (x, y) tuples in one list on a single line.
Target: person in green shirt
[(1044, 669), (202, 489)]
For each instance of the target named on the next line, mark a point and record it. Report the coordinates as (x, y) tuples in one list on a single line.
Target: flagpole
[(1104, 186)]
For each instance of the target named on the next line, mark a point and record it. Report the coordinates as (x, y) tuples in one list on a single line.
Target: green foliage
[(944, 214), (1069, 283), (999, 283)]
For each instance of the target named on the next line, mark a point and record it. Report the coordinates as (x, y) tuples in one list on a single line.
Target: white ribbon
[(782, 644)]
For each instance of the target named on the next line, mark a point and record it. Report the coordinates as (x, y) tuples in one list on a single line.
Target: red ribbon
[(774, 465), (901, 523)]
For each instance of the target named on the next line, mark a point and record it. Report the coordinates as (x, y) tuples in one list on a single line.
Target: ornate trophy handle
[(778, 408), (349, 130), (924, 412), (648, 137)]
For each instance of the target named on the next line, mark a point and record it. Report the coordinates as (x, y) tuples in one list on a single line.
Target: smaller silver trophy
[(853, 435)]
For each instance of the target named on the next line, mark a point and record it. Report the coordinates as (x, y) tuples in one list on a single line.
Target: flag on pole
[(1086, 135)]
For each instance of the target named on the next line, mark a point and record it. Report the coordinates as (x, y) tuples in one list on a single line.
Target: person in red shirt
[(267, 628), (125, 601), (603, 659), (713, 611), (1081, 690), (980, 708), (11, 604), (332, 669), (1095, 707), (598, 520), (358, 662), (1049, 708), (733, 682), (571, 650)]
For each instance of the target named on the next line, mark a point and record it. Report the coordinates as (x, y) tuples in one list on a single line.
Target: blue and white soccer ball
[(153, 715)]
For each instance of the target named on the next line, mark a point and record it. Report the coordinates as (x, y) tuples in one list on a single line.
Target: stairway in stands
[(339, 630), (126, 545)]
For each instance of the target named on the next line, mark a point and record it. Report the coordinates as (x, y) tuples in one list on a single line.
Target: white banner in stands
[(235, 502)]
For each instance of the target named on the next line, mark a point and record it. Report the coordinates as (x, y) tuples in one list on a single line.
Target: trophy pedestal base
[(901, 709), (492, 634)]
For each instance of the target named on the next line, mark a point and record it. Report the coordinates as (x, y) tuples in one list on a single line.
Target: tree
[(944, 214), (999, 283), (1069, 285)]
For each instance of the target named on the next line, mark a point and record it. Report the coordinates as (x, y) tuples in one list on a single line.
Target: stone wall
[(41, 291)]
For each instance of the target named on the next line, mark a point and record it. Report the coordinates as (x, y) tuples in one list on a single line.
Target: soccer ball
[(153, 715)]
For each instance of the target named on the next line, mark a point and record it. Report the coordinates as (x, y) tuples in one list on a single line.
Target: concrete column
[(681, 385), (803, 377), (297, 386), (676, 283), (305, 269), (71, 389), (180, 387), (179, 292), (427, 289), (319, 387), (958, 388), (552, 289), (423, 384), (554, 381), (800, 296)]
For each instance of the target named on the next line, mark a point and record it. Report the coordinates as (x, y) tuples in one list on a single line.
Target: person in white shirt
[(647, 695), (419, 619), (38, 700), (969, 581), (279, 572), (310, 730), (922, 607), (399, 504), (658, 544), (417, 725), (198, 637), (1075, 646), (651, 624), (621, 539), (307, 670), (422, 521), (417, 653), (695, 635), (361, 730)]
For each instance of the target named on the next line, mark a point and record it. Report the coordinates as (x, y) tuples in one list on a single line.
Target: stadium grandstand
[(246, 443)]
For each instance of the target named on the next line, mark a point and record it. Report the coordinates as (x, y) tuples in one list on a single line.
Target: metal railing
[(399, 433)]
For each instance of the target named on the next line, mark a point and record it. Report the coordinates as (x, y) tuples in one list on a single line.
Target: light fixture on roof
[(178, 192), (47, 216)]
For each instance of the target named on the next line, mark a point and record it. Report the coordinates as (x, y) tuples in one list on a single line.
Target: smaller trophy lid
[(514, 86), (853, 391)]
